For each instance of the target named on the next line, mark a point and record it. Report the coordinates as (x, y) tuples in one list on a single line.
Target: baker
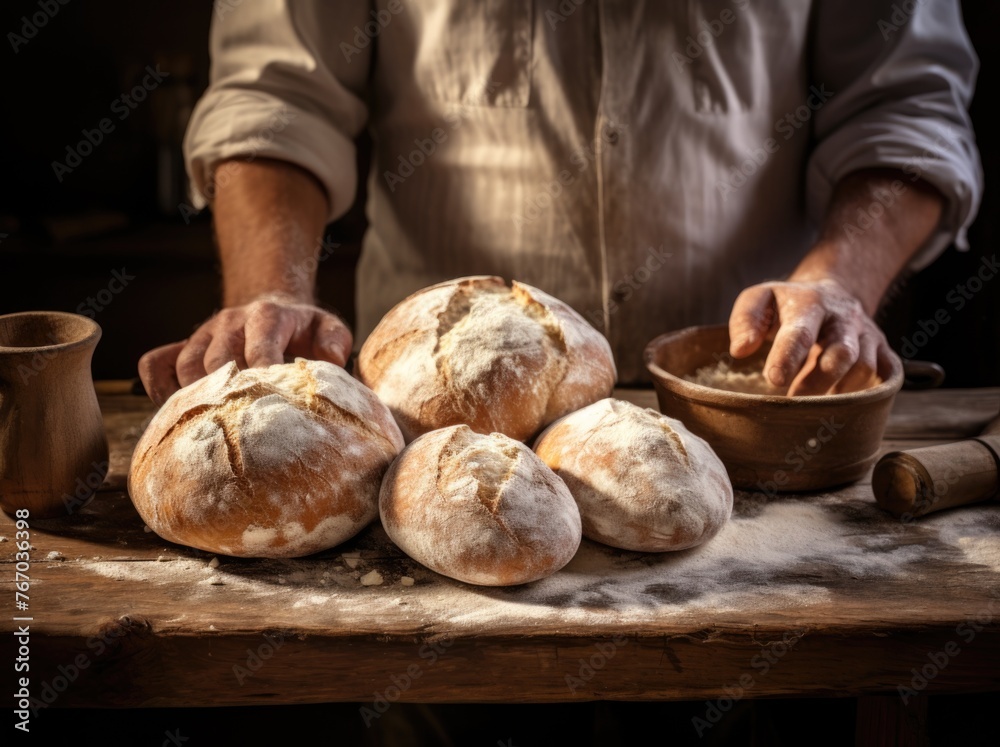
[(655, 165)]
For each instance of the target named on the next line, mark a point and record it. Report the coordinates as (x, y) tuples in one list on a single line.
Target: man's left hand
[(824, 342)]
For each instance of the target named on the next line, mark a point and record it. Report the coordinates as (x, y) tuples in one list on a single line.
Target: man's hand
[(824, 342), (820, 319), (260, 333), (269, 219)]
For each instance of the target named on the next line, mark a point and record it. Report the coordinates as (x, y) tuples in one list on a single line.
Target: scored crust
[(474, 351), (281, 461), (641, 479), (479, 508)]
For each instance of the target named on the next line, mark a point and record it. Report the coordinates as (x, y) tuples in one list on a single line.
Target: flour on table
[(782, 553)]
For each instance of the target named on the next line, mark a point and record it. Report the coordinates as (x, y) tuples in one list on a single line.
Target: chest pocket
[(476, 53), (727, 42)]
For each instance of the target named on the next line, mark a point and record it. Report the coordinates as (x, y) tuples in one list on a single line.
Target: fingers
[(191, 361), (228, 341), (839, 349), (800, 326), (259, 334), (753, 315), (332, 340), (863, 371), (269, 328), (157, 369)]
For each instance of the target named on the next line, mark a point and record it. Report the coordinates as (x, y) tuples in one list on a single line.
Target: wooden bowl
[(770, 443)]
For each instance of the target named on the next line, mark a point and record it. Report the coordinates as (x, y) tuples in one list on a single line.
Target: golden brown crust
[(275, 462), (642, 481), (473, 351), (481, 509)]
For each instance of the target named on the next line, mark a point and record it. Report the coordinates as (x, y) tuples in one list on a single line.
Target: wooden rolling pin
[(916, 482)]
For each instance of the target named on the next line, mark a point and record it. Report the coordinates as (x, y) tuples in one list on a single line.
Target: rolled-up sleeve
[(287, 82), (901, 75)]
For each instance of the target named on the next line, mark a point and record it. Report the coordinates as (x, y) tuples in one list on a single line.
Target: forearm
[(877, 221), (269, 220)]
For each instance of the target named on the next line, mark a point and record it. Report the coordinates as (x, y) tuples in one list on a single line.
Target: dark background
[(60, 242), (63, 240)]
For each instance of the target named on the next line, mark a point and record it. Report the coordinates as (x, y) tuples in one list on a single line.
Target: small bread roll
[(642, 480), (268, 462), (480, 509), (473, 351)]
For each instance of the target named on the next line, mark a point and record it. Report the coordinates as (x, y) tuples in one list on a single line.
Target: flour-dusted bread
[(642, 480), (267, 462), (479, 508), (474, 351)]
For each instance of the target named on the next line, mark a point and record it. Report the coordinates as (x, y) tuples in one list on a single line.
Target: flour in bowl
[(722, 376)]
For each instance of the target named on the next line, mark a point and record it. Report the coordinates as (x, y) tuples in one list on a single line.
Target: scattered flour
[(775, 554)]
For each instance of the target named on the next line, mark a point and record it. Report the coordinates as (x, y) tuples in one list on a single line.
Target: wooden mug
[(53, 449)]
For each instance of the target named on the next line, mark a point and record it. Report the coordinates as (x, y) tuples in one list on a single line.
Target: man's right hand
[(261, 333)]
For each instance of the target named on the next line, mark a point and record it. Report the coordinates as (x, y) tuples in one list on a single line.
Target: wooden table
[(806, 595)]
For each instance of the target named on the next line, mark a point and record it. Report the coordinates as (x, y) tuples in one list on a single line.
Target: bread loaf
[(473, 351), (642, 480), (481, 509), (267, 462)]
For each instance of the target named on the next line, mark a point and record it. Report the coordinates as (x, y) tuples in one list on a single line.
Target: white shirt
[(643, 161)]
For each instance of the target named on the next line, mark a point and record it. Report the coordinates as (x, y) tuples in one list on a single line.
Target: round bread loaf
[(473, 351), (481, 509), (269, 462), (642, 480)]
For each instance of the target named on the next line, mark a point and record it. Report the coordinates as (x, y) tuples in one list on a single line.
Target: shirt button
[(618, 295), (613, 137)]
